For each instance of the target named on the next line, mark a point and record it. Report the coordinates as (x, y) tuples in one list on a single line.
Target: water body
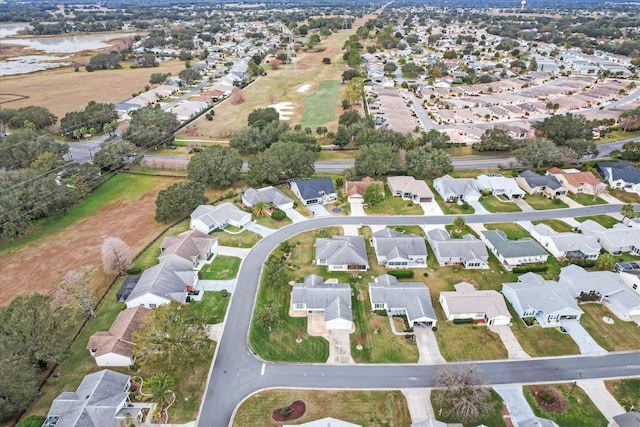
[(11, 28)]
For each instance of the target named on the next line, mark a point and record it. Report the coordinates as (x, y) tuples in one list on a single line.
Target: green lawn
[(626, 392), (581, 411), (513, 231), (149, 257), (267, 221), (213, 305), (244, 239), (624, 196), (371, 408), (221, 268), (621, 336), (556, 224), (464, 231), (494, 419), (604, 220), (541, 203), (495, 204), (586, 199), (451, 208), (394, 206), (320, 106)]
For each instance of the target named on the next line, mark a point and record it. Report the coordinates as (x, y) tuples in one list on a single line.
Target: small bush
[(583, 262), (425, 274), (402, 274), (461, 321), (134, 270), (530, 268), (278, 215)]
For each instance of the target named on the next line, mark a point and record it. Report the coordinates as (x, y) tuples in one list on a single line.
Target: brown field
[(63, 90), (278, 86), (36, 267)]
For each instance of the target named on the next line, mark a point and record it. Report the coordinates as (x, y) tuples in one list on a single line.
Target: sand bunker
[(303, 88), (283, 109)]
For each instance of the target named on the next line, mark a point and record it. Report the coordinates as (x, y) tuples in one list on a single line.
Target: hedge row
[(401, 274), (530, 268), (467, 320)]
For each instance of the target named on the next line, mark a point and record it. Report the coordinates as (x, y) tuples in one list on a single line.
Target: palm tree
[(628, 211), (260, 208), (158, 387)]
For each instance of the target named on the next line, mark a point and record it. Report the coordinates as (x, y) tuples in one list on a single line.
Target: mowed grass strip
[(243, 239), (513, 231), (604, 220), (383, 408), (581, 411), (620, 336), (213, 305), (394, 206), (626, 392), (149, 257), (495, 204), (222, 267), (541, 203), (586, 199), (624, 196), (556, 224), (320, 106)]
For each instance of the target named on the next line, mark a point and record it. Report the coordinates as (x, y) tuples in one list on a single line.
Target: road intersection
[(237, 372)]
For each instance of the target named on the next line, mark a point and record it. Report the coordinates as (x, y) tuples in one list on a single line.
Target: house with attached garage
[(409, 188), (115, 347), (631, 278), (456, 189), (397, 250), (330, 298), (162, 284), (466, 302), (566, 245), (620, 174), (468, 252), (208, 218), (355, 189), (190, 249), (270, 195), (578, 182), (499, 185), (513, 253), (101, 399), (411, 299), (314, 191), (545, 185), (534, 297), (614, 240), (342, 253)]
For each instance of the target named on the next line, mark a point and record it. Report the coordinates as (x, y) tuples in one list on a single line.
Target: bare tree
[(116, 255), (599, 189), (462, 393), (237, 97), (74, 290)]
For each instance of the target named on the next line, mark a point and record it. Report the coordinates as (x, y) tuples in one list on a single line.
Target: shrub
[(530, 268), (402, 274), (461, 321), (583, 262), (278, 215), (134, 270)]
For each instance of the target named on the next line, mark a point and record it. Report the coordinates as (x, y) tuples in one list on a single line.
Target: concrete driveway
[(609, 198), (260, 229), (580, 335), (569, 201), (477, 206), (339, 347), (518, 407), (217, 285), (514, 349), (523, 205), (419, 403), (318, 211), (231, 251), (427, 347), (431, 208), (357, 209), (295, 215), (606, 403)]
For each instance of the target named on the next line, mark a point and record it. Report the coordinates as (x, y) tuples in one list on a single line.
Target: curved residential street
[(237, 372)]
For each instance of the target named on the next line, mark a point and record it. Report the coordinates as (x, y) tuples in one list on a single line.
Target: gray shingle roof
[(267, 194), (468, 248), (314, 188), (568, 241), (620, 235), (188, 245), (333, 298), (513, 248), (215, 216), (164, 280), (394, 244), (457, 186), (630, 419), (414, 297), (619, 170), (342, 250), (535, 180), (534, 292)]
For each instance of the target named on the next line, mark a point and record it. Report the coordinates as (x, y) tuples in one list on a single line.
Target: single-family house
[(411, 299), (566, 245), (608, 287), (456, 189), (314, 191), (621, 174), (546, 185), (631, 278), (189, 249), (513, 253), (466, 302), (270, 195), (324, 422), (397, 250), (409, 188), (162, 284), (342, 253), (101, 399), (468, 251), (614, 240), (115, 347), (499, 185), (578, 182), (355, 189), (534, 297), (628, 419), (208, 218), (331, 298)]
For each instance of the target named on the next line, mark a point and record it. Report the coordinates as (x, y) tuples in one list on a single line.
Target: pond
[(67, 44), (11, 28)]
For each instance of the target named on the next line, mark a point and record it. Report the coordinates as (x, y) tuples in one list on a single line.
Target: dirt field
[(36, 267), (63, 90), (278, 86)]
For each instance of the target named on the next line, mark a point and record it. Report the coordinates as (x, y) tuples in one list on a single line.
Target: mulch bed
[(558, 404), (296, 410)]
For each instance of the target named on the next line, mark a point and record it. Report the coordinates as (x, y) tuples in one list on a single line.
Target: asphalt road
[(236, 372)]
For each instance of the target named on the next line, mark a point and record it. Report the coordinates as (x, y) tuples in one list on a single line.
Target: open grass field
[(604, 220), (620, 336), (221, 268), (381, 408), (626, 392), (63, 90), (494, 419), (124, 207), (495, 204), (282, 86), (320, 107), (213, 305), (586, 199), (580, 411), (541, 203)]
